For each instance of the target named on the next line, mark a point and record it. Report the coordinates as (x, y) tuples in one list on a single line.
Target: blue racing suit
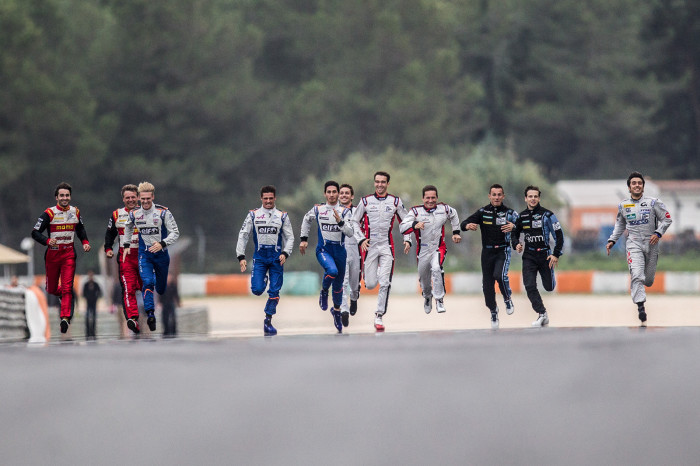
[(330, 250), (273, 236), (155, 225)]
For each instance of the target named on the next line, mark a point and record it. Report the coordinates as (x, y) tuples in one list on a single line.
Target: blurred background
[(211, 99)]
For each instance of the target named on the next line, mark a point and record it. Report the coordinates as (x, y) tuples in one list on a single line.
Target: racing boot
[(494, 319), (337, 320), (542, 320), (440, 305), (133, 325), (427, 305), (510, 307), (151, 320), (642, 313), (323, 300), (268, 329), (65, 323), (353, 307), (378, 324), (345, 318)]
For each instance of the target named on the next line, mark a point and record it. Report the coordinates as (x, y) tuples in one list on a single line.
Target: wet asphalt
[(573, 396)]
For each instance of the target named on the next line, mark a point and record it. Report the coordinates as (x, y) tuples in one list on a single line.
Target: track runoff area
[(592, 388)]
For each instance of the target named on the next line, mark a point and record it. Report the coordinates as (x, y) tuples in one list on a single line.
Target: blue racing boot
[(151, 321), (268, 329), (323, 299), (337, 321)]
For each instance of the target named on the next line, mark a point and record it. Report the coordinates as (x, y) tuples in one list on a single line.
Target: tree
[(48, 132), (672, 36)]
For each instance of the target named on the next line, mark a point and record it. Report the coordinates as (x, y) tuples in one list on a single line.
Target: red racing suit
[(63, 225), (129, 276)]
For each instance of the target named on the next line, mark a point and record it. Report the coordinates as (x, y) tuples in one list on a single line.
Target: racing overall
[(538, 224), (129, 277), (155, 225), (272, 236), (430, 244), (353, 263), (495, 252), (330, 250), (373, 220), (642, 218), (63, 225)]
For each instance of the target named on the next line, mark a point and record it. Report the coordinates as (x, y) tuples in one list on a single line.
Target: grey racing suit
[(642, 218), (351, 282), (430, 244), (375, 215)]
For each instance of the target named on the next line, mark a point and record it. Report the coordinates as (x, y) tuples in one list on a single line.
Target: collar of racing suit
[(63, 209), (537, 207)]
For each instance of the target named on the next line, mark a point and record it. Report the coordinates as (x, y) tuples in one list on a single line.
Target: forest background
[(211, 99)]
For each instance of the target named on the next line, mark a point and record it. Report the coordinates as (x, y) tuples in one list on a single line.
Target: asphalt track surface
[(616, 394)]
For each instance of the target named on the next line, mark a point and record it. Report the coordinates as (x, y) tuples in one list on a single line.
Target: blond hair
[(146, 187)]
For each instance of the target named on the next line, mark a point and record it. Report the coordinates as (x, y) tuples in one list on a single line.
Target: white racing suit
[(351, 281), (375, 216), (430, 244), (642, 218)]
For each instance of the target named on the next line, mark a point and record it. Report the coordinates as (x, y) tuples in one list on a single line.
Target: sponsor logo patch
[(330, 227), (149, 230), (267, 230)]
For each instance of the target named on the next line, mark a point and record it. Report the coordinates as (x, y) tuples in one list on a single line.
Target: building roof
[(684, 186), (598, 193)]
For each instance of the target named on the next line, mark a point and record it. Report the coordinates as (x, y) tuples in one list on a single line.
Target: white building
[(590, 205)]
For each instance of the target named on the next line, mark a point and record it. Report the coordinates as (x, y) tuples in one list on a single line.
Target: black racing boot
[(642, 312)]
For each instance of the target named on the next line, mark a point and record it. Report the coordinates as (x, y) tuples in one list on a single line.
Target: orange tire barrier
[(574, 281), (516, 282), (218, 285), (659, 285)]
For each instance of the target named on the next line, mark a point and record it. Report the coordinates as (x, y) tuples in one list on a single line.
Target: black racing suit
[(495, 252), (538, 224)]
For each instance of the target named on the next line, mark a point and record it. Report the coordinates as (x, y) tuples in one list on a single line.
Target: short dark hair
[(129, 187), (533, 188), (635, 175), (268, 189), (345, 185), (497, 186), (331, 183), (63, 185), (429, 187), (380, 173)]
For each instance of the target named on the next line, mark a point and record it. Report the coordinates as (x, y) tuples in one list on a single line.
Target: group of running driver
[(354, 242)]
